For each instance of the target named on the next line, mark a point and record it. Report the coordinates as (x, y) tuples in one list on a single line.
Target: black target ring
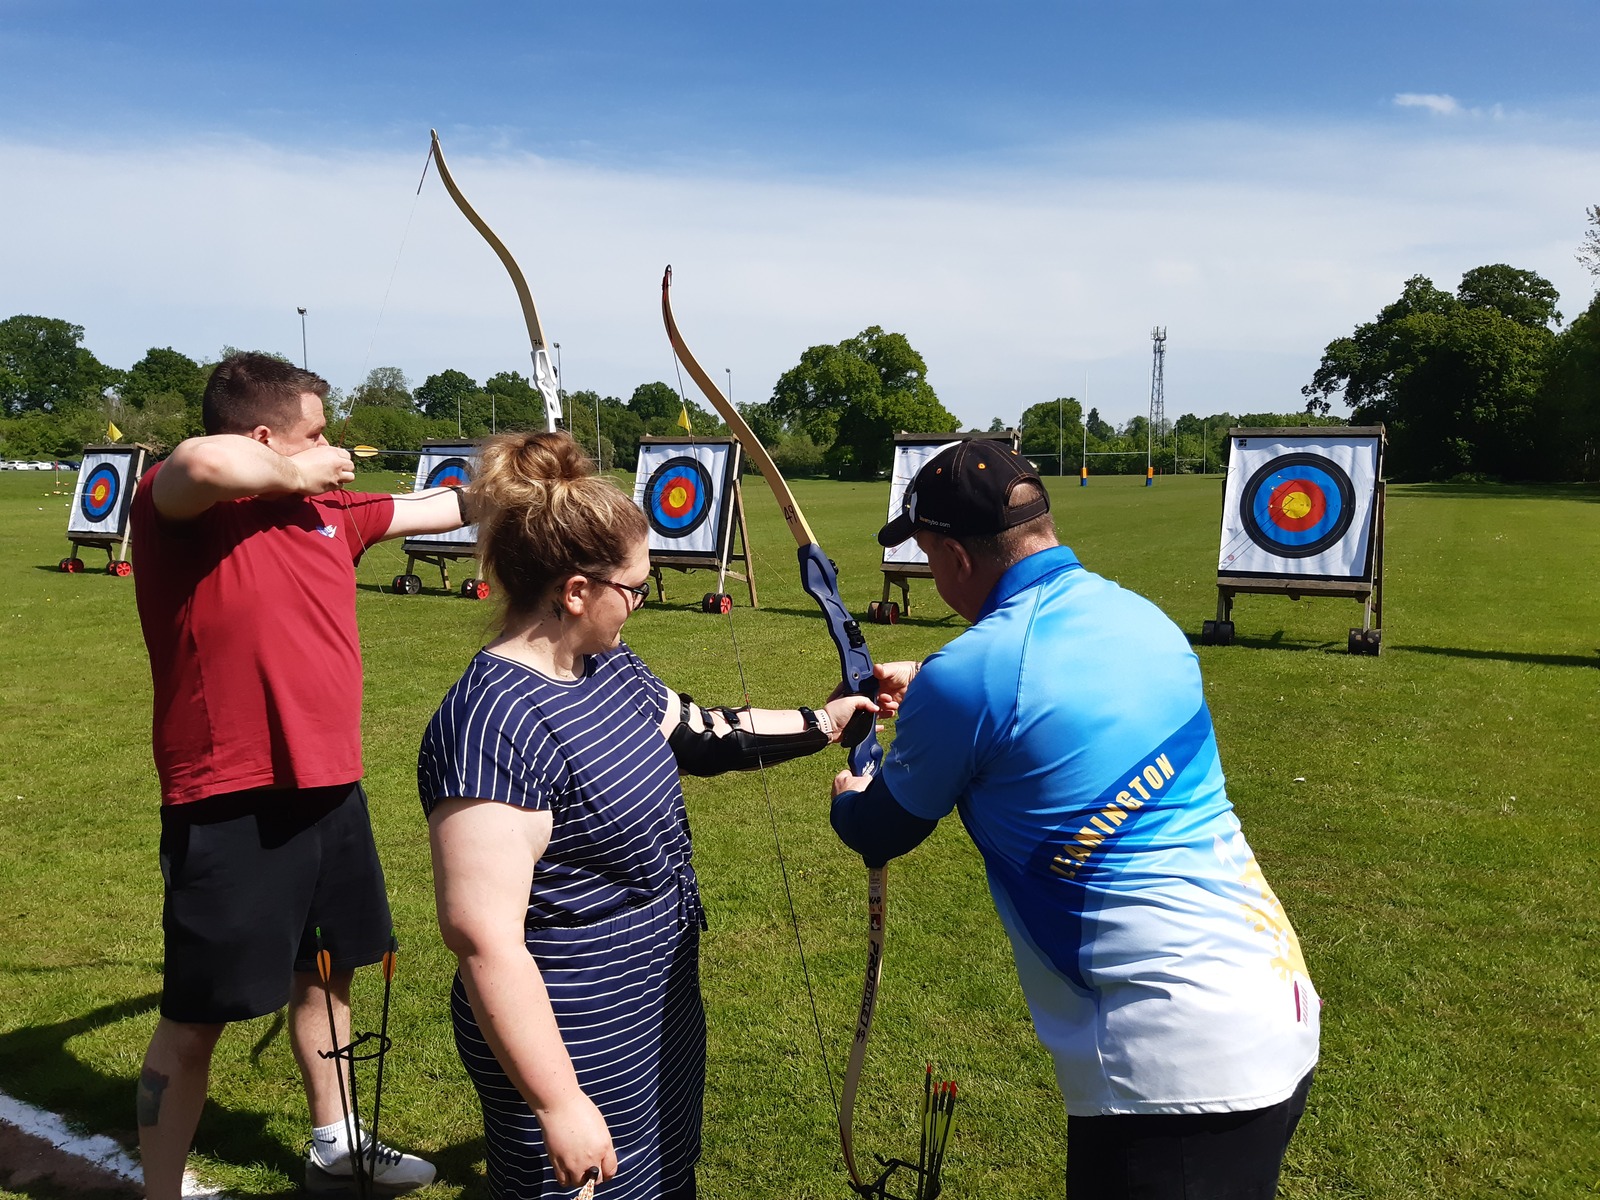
[(451, 472), (1327, 488), (678, 496)]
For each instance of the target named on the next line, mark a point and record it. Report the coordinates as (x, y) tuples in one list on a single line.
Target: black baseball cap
[(964, 491)]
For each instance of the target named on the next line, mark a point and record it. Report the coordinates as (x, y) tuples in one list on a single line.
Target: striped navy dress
[(614, 914)]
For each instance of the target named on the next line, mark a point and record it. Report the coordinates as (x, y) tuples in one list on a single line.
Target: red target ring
[(1297, 504)]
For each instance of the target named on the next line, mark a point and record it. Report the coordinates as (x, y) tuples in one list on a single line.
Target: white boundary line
[(95, 1149)]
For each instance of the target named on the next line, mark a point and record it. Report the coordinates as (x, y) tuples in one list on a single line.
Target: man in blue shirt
[(1068, 727)]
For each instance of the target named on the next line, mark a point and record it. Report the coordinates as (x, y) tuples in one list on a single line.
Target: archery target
[(446, 464), (104, 492), (1300, 506), (678, 497), (684, 491)]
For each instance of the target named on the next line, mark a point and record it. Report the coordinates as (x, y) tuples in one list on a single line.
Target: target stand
[(1303, 515), (688, 489), (102, 504), (443, 464), (905, 562)]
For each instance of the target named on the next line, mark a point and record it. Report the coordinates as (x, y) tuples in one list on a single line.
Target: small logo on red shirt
[(328, 531)]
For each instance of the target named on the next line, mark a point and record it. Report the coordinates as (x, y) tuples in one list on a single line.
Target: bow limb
[(544, 373), (818, 577)]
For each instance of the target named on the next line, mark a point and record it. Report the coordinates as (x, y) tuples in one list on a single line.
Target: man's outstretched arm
[(204, 471)]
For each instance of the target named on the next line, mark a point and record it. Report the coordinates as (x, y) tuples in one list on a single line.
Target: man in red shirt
[(247, 545)]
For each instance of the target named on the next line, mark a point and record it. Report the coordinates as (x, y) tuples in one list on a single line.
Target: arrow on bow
[(544, 372), (820, 581)]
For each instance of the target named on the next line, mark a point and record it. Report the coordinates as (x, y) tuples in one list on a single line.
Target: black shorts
[(249, 877), (1182, 1156)]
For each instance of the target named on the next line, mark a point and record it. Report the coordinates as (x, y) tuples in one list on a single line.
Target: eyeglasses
[(638, 593)]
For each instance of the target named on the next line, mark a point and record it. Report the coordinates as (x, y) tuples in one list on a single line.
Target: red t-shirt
[(249, 615)]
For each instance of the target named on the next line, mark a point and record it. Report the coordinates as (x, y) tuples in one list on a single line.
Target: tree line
[(1480, 383), (834, 413)]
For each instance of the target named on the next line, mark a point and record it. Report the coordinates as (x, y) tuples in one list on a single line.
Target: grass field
[(1428, 819)]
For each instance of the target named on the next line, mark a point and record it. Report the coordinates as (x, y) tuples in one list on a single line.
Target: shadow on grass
[(1501, 491), (1275, 641), (36, 1066), (1513, 656)]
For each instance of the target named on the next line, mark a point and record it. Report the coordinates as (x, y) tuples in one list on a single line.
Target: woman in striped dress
[(561, 848)]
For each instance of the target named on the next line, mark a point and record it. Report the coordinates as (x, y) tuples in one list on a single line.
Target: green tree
[(853, 397), (1100, 430), (515, 404), (1051, 426), (1570, 404), (44, 368), (1454, 378), (1524, 296), (384, 387), (164, 372), (438, 396), (652, 401)]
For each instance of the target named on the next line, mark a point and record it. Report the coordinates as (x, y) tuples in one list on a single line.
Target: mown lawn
[(1428, 818)]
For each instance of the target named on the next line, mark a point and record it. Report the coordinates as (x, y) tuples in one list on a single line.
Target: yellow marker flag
[(683, 418), (113, 432)]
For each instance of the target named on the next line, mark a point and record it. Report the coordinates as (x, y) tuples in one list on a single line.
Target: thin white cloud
[(1434, 102), (1254, 246)]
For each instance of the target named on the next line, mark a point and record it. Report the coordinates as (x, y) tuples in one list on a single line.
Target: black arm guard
[(705, 753)]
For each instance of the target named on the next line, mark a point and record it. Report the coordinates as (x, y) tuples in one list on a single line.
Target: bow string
[(820, 580)]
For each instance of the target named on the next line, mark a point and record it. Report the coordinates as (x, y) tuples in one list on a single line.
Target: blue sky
[(1023, 189)]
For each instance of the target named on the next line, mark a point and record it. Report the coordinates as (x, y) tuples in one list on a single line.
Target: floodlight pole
[(305, 362)]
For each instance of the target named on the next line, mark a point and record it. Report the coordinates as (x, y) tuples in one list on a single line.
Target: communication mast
[(1157, 432)]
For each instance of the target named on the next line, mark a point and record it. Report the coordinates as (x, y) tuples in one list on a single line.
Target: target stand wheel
[(119, 567), (1216, 633), (406, 585), (891, 613), (474, 589), (875, 611), (1366, 641), (72, 566), (719, 603)]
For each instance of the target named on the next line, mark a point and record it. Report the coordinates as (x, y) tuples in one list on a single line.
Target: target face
[(103, 495), (445, 464), (452, 472), (100, 491), (685, 488), (678, 497), (1298, 505)]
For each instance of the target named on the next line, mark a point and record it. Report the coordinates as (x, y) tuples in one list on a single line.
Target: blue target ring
[(452, 472), (1298, 505), (100, 492), (678, 496)]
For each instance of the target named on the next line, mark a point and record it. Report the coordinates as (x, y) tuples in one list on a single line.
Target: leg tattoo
[(148, 1100)]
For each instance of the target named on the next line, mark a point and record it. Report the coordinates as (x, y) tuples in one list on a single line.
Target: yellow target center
[(1296, 505), (677, 496)]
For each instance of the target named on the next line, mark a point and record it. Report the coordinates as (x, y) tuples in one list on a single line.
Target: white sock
[(332, 1142)]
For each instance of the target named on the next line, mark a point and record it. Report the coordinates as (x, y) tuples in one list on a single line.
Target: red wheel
[(480, 589), (74, 566), (873, 610), (891, 613), (708, 602), (724, 603), (64, 565), (120, 568)]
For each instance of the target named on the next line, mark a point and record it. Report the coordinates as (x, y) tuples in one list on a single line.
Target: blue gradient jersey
[(1069, 728)]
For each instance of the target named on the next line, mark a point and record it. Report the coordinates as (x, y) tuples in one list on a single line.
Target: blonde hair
[(543, 515)]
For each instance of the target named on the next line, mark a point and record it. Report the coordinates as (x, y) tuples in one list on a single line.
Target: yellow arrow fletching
[(365, 451)]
